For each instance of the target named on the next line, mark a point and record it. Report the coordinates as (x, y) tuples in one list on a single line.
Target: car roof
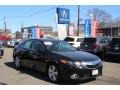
[(41, 39), (75, 37), (98, 37)]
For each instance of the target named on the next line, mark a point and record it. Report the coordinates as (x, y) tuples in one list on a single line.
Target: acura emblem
[(64, 13)]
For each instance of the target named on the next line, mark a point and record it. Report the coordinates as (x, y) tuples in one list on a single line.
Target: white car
[(11, 43), (75, 41)]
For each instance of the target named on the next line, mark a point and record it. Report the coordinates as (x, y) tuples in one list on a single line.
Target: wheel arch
[(54, 63)]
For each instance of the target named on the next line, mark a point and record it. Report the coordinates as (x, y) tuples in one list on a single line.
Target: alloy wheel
[(17, 62), (53, 73)]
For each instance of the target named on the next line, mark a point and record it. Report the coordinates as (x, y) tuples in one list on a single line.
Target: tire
[(2, 52), (53, 73), (17, 62)]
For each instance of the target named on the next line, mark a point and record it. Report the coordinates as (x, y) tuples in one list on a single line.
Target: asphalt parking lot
[(9, 75)]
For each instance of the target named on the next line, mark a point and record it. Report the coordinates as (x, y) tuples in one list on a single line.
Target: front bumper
[(74, 73)]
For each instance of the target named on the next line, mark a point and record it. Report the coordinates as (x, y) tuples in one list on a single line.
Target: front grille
[(92, 66)]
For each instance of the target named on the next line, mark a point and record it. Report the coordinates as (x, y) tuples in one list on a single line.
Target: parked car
[(3, 42), (1, 49), (75, 41), (14, 42), (58, 59), (94, 45), (11, 43), (113, 49)]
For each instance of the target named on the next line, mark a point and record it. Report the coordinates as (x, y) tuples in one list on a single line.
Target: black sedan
[(57, 59)]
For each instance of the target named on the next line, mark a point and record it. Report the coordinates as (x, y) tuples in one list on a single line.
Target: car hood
[(76, 56)]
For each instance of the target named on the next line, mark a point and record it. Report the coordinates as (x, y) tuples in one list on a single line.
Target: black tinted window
[(79, 39), (90, 40), (115, 40), (106, 40), (69, 39), (38, 46), (27, 44), (102, 41), (16, 43), (58, 46)]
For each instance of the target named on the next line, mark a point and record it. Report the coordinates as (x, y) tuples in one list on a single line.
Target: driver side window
[(38, 46)]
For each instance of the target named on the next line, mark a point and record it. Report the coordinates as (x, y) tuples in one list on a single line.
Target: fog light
[(74, 76)]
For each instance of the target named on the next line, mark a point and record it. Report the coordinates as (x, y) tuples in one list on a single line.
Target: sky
[(43, 15)]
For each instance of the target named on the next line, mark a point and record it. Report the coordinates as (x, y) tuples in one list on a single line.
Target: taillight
[(95, 46)]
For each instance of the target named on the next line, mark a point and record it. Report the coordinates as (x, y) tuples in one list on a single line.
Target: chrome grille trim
[(91, 64)]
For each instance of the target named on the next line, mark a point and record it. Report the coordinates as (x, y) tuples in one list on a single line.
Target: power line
[(33, 14)]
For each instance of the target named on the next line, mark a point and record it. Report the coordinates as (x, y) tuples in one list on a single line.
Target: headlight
[(74, 63), (77, 64), (100, 61)]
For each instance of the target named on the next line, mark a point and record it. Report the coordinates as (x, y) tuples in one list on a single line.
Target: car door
[(39, 56), (26, 54)]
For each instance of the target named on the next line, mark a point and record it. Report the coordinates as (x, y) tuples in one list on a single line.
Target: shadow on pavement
[(76, 82), (43, 76), (1, 83)]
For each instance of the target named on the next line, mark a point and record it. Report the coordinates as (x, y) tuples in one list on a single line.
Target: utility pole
[(111, 29), (5, 25), (22, 25), (78, 25), (21, 34), (118, 30)]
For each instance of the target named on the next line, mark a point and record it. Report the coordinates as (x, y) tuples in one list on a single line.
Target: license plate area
[(116, 48), (86, 46), (95, 72)]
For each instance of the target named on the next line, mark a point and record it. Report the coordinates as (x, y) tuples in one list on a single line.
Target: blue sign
[(63, 16), (87, 28)]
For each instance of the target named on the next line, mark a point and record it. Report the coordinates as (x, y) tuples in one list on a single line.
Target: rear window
[(79, 39), (115, 40), (69, 39), (90, 40)]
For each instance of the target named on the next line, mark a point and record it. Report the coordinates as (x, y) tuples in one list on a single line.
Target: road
[(9, 75)]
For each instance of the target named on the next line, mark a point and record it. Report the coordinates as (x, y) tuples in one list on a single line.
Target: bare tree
[(101, 16)]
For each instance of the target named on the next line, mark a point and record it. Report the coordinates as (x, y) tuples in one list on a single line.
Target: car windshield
[(90, 40), (58, 46)]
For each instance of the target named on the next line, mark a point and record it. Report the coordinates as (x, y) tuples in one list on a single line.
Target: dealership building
[(36, 31), (113, 31)]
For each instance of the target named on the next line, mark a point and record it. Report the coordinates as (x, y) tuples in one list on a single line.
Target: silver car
[(94, 45)]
